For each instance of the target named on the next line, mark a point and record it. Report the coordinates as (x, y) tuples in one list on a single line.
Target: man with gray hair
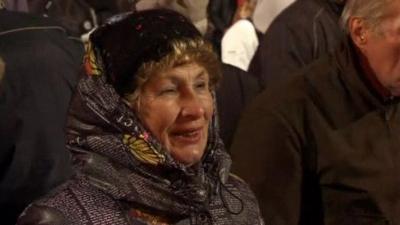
[(323, 148)]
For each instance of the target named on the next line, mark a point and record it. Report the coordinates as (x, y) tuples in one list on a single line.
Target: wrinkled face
[(176, 106), (382, 49)]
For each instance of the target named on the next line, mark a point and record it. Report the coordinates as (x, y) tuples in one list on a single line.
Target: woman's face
[(176, 105)]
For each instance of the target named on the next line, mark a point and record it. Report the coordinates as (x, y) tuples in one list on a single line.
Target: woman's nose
[(191, 106)]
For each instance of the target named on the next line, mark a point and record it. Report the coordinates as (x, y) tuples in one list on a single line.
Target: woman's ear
[(359, 31)]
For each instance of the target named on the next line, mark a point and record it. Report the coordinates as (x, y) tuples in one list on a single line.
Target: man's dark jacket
[(302, 33), (236, 89), (42, 67), (323, 148)]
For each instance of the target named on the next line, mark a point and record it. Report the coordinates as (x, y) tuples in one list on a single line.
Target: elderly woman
[(143, 135)]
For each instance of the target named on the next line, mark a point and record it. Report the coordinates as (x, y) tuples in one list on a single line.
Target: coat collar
[(333, 6), (356, 75)]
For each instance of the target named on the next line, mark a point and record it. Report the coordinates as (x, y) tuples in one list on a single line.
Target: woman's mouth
[(189, 136)]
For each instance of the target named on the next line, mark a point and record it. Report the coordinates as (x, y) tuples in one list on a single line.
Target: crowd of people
[(200, 112)]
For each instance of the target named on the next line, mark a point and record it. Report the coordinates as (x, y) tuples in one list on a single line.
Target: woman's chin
[(188, 150), (188, 156)]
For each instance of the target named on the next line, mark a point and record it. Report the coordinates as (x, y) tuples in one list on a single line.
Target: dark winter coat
[(302, 33), (41, 70), (323, 148), (236, 89)]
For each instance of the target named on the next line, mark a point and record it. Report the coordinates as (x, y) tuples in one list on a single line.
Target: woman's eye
[(201, 85), (168, 91)]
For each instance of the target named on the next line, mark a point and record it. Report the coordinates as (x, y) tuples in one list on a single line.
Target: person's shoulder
[(300, 13), (62, 205), (73, 202), (280, 94), (48, 209), (44, 215), (292, 94)]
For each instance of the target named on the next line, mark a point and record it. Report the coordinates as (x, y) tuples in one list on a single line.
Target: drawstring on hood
[(231, 211)]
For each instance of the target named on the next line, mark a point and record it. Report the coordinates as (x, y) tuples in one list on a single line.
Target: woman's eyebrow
[(201, 74)]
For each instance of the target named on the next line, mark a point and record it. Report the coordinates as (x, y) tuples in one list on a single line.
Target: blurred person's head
[(194, 10), (374, 29), (245, 10)]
